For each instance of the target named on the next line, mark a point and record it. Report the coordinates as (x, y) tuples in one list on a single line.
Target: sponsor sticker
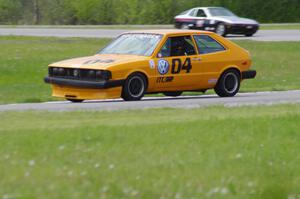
[(163, 66), (164, 79), (199, 23), (212, 81), (152, 64)]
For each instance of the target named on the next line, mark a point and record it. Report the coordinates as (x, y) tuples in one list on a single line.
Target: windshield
[(220, 12), (184, 12), (133, 44)]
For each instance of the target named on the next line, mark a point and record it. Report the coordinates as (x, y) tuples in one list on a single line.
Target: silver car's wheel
[(185, 27), (221, 29)]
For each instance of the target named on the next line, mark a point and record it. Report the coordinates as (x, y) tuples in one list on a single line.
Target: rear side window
[(201, 13), (206, 44), (178, 46)]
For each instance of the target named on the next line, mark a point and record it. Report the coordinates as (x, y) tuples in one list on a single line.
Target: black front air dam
[(249, 74), (84, 84)]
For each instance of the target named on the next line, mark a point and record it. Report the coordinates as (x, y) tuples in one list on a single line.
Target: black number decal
[(187, 65), (177, 65)]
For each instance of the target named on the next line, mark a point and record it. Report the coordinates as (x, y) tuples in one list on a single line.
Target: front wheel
[(134, 87), (229, 84), (221, 29)]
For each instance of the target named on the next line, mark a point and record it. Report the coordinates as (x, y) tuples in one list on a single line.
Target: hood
[(234, 20), (99, 61)]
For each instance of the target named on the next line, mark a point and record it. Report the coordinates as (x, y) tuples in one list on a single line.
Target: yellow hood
[(97, 61)]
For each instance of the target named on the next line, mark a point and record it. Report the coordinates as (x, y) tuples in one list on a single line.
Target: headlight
[(91, 74), (103, 74), (61, 71), (99, 74), (76, 73), (53, 71)]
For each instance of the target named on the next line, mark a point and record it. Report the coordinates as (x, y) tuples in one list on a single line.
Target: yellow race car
[(153, 61)]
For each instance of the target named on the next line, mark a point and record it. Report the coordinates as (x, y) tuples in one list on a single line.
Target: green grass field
[(24, 60), (214, 152), (290, 26)]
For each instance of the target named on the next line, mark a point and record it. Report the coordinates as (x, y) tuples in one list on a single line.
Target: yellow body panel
[(84, 93), (204, 73)]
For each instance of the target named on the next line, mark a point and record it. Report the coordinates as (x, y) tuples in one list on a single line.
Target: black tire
[(134, 87), (229, 83), (75, 100), (221, 29), (173, 94), (249, 34)]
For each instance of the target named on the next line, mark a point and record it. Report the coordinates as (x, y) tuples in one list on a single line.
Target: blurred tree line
[(136, 11)]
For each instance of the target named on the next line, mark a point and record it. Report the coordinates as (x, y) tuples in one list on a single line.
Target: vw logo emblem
[(163, 66)]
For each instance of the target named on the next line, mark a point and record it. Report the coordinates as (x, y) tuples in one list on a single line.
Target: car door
[(200, 16), (176, 61), (214, 57)]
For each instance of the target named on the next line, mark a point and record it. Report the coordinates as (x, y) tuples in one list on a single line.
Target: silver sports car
[(216, 19)]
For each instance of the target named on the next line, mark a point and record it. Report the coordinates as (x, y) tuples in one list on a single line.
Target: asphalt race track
[(242, 99), (261, 35)]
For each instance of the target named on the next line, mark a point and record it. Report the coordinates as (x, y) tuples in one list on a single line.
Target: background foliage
[(136, 11)]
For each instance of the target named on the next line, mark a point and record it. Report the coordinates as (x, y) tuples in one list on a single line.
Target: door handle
[(196, 59)]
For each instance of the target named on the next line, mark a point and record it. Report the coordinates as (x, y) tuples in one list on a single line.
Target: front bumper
[(84, 84), (241, 28), (230, 28), (249, 74)]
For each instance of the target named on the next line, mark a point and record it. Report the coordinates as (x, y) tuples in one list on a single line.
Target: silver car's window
[(206, 44), (220, 12), (133, 44), (193, 13), (184, 12), (201, 13)]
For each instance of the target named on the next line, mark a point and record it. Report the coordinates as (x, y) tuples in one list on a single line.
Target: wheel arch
[(229, 68), (141, 72)]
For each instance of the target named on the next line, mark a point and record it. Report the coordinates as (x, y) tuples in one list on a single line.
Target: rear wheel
[(221, 29), (134, 87), (229, 83), (185, 26), (173, 94), (75, 100)]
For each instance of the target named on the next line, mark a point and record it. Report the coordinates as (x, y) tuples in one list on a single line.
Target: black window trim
[(198, 50), (193, 42)]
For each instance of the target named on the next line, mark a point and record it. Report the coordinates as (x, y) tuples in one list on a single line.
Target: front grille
[(79, 74)]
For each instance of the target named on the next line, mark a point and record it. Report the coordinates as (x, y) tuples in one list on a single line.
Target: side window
[(177, 46), (206, 44), (201, 13), (193, 13)]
